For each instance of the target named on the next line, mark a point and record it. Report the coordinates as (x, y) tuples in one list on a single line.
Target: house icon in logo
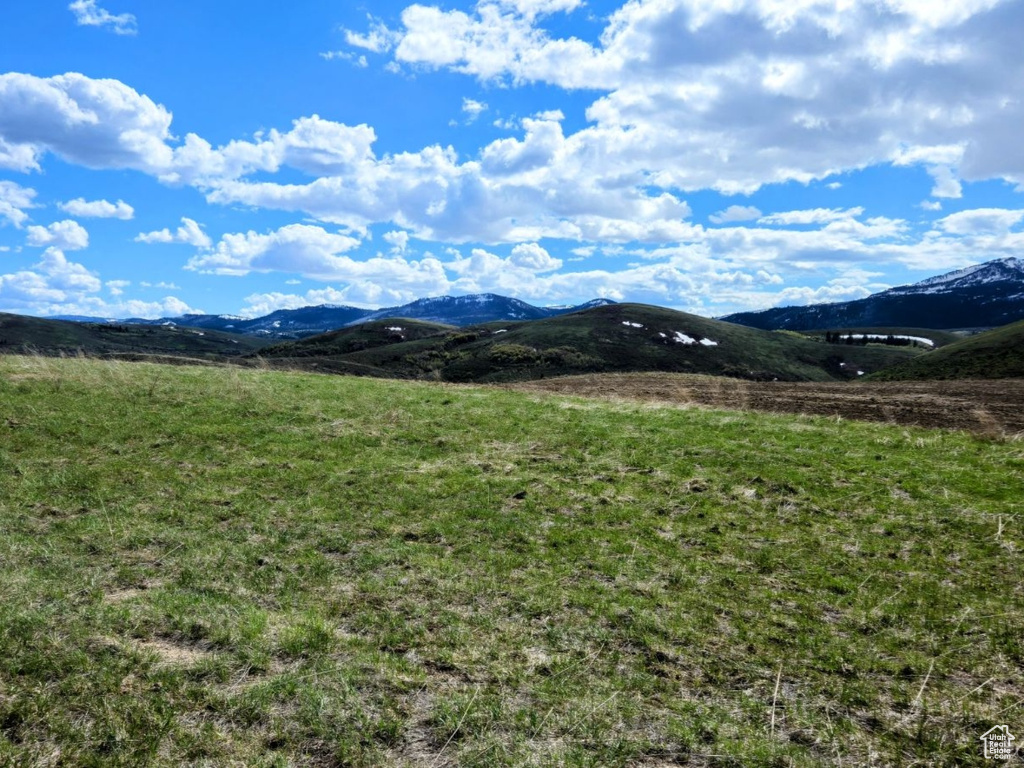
[(998, 743)]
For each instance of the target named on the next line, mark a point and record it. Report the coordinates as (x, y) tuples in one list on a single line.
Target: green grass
[(212, 566), (995, 354)]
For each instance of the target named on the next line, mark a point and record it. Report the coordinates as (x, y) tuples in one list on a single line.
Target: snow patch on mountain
[(1000, 270)]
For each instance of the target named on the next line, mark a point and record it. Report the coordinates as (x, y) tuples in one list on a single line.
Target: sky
[(712, 156)]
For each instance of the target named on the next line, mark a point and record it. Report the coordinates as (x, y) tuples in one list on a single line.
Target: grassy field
[(212, 566)]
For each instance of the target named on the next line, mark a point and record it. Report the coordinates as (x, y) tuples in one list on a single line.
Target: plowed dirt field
[(989, 406)]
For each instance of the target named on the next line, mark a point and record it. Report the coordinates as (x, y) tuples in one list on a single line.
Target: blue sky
[(230, 157)]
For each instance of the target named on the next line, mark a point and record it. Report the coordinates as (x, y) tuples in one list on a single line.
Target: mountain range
[(985, 295), (490, 338), (601, 339), (981, 296), (310, 321)]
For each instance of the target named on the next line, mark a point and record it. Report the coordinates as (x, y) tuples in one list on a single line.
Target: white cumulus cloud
[(14, 201), (981, 221), (533, 257), (98, 209), (189, 233), (735, 213), (473, 108), (738, 94), (64, 235), (53, 281), (95, 123), (116, 287), (88, 14)]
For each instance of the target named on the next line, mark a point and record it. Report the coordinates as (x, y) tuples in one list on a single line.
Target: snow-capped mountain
[(981, 296), (308, 321), (284, 323), (474, 309), (1010, 270), (463, 310)]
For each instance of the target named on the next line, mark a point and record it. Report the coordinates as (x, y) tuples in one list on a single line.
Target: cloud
[(378, 39), (94, 123), (189, 233), (356, 60), (530, 8), (88, 14), (360, 293), (518, 191), (733, 96), (98, 209), (53, 281), (65, 235), (161, 285), (473, 108), (534, 258), (735, 213), (56, 286), (946, 183), (315, 146), (14, 201), (399, 240), (812, 216), (116, 287), (301, 249), (984, 221)]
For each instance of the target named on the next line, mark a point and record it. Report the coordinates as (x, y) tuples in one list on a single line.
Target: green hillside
[(620, 337), (50, 337), (378, 333), (996, 354), (223, 566)]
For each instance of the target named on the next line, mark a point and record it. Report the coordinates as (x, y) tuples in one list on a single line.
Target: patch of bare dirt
[(174, 654), (129, 593), (994, 406)]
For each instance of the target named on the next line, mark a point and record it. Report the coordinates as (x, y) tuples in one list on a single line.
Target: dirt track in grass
[(988, 406)]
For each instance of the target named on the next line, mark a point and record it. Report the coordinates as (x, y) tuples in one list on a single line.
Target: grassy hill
[(619, 337), (214, 566), (50, 337), (996, 354), (369, 335)]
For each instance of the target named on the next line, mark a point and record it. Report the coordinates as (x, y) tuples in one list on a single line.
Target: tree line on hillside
[(860, 340)]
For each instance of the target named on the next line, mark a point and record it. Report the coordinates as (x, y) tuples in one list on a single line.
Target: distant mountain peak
[(1009, 268), (979, 296)]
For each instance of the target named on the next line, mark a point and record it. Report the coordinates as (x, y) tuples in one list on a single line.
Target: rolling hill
[(50, 337), (616, 337), (981, 296), (996, 354)]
